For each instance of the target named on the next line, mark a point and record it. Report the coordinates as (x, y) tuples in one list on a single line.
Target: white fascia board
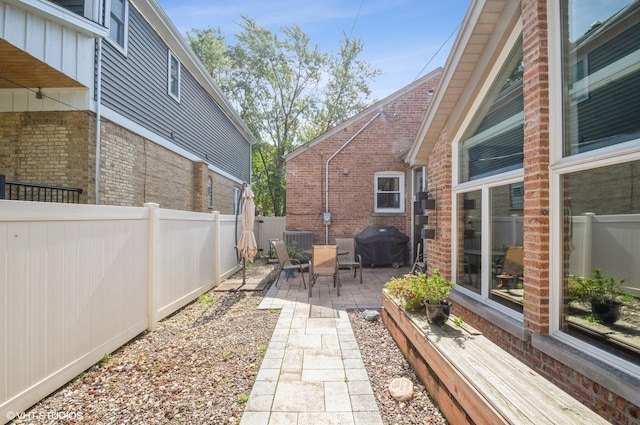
[(119, 119), (60, 15)]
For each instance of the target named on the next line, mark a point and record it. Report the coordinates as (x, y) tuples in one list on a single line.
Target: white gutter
[(326, 171)]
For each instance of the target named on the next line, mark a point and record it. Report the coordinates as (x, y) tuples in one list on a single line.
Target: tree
[(286, 90)]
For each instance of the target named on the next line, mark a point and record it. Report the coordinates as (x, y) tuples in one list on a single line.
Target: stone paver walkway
[(312, 372)]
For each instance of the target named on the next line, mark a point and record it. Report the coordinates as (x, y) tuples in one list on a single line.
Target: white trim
[(389, 174), (170, 55), (62, 16), (116, 118)]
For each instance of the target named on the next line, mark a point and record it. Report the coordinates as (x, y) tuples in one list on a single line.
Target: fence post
[(2, 182), (153, 250), (216, 248), (587, 244)]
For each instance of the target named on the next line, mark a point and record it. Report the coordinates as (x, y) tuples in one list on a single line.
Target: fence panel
[(73, 287), (267, 228), (185, 258), (79, 281)]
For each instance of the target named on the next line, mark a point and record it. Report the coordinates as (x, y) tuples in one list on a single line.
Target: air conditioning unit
[(300, 238)]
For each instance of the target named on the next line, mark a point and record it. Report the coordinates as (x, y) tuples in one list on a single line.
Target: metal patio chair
[(287, 263), (324, 262)]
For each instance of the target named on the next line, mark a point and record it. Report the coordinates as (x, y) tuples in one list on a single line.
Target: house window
[(494, 143), (596, 222), (210, 192), (119, 23), (601, 52), (174, 77), (389, 192)]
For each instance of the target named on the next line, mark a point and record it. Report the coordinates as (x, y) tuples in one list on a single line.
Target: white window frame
[(124, 47), (401, 192), (170, 62)]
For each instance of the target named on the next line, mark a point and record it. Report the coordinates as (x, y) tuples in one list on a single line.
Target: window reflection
[(602, 231), (602, 53), (470, 236)]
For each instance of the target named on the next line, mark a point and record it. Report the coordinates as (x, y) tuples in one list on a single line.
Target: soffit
[(20, 69)]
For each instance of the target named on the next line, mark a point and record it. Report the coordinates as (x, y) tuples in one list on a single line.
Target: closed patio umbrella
[(247, 244)]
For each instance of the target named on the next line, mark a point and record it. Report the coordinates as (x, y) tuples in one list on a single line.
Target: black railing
[(21, 191)]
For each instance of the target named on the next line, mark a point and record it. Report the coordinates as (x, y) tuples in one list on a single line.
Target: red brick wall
[(536, 230), (351, 197)]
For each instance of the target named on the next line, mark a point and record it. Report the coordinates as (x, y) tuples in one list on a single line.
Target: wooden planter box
[(472, 380)]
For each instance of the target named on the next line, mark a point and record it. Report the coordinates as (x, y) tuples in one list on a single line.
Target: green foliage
[(287, 92), (294, 251), (458, 321), (597, 288), (205, 299), (262, 348), (243, 398), (413, 290)]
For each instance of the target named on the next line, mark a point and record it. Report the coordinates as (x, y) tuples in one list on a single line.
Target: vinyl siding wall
[(136, 87)]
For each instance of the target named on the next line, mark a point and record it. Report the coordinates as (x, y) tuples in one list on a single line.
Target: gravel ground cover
[(199, 368)]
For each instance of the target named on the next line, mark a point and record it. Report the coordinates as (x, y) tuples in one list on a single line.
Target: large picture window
[(389, 192), (495, 144), (601, 52)]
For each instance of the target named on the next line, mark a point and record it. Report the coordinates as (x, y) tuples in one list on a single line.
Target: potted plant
[(603, 293), (416, 290), (295, 253), (435, 289)]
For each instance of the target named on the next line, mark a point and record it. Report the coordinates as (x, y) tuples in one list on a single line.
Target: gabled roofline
[(376, 107), (161, 23), (484, 30)]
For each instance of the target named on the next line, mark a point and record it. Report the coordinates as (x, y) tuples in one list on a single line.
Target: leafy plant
[(243, 398), (294, 251), (413, 290), (205, 299), (597, 288)]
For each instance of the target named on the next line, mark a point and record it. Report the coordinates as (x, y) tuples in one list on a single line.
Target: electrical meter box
[(326, 218)]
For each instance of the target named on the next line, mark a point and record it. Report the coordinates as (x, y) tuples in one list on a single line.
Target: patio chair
[(350, 260), (287, 263), (324, 262), (512, 267)]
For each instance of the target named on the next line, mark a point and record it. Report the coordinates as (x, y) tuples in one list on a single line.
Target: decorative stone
[(371, 315), (401, 389)]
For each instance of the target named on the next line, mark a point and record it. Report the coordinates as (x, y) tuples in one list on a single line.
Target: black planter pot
[(607, 313), (438, 314)]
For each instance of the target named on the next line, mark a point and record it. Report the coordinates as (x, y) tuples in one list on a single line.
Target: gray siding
[(136, 87)]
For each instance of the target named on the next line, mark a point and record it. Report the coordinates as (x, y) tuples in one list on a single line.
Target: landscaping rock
[(401, 389), (371, 315)]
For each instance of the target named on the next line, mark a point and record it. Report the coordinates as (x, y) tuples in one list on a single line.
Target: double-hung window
[(389, 192), (118, 23), (173, 77)]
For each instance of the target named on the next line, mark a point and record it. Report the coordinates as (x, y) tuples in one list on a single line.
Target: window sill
[(503, 321), (389, 214)]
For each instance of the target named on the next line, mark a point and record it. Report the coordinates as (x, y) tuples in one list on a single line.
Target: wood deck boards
[(504, 385)]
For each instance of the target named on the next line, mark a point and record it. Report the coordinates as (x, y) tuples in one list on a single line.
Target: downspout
[(326, 171), (98, 105)]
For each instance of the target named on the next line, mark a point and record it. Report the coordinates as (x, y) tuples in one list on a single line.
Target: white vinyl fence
[(79, 281)]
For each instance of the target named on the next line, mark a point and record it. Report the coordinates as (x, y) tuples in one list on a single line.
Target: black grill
[(382, 245)]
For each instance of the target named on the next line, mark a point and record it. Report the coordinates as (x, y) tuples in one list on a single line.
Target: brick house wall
[(58, 148), (378, 147), (611, 406)]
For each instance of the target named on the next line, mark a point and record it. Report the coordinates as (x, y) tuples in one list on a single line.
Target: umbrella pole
[(244, 270)]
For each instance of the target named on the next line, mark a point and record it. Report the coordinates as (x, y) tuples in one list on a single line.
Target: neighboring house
[(362, 161), (532, 139), (164, 131)]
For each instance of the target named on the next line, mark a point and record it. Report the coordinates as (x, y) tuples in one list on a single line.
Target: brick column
[(200, 175), (536, 162)]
